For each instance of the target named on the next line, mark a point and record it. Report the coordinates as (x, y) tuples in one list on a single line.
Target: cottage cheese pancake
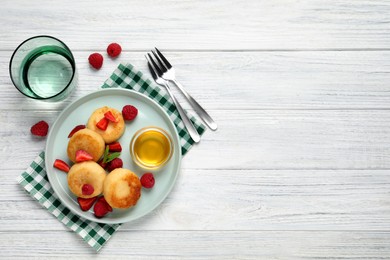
[(122, 188), (86, 173), (86, 140), (114, 130)]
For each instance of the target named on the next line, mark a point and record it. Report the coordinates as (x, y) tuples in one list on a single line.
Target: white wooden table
[(300, 164)]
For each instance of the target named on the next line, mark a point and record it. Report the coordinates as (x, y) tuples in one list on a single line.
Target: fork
[(168, 73), (156, 73)]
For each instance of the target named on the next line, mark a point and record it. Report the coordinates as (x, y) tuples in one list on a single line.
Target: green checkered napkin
[(34, 180)]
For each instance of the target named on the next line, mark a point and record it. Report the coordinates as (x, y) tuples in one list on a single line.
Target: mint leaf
[(108, 157), (112, 156), (105, 154)]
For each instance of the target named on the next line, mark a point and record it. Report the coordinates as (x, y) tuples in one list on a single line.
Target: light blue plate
[(149, 114)]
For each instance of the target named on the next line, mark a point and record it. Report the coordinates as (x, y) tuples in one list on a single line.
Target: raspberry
[(147, 180), (96, 60), (87, 189), (103, 200), (129, 112), (114, 49), (40, 129), (101, 208), (116, 163), (102, 164)]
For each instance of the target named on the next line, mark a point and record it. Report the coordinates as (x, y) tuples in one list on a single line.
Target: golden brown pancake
[(86, 140), (88, 172), (114, 130), (122, 188)]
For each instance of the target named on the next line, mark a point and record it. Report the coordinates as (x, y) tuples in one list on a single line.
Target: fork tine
[(154, 75), (166, 62), (155, 66), (160, 63)]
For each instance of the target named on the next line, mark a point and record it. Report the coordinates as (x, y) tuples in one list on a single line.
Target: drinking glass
[(43, 68)]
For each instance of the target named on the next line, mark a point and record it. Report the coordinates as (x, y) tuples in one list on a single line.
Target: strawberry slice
[(110, 116), (102, 124), (61, 165), (86, 204), (82, 156), (77, 128), (115, 147), (101, 208)]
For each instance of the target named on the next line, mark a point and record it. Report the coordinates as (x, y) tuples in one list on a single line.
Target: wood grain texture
[(299, 167), (204, 245), (253, 139), (258, 200), (202, 25), (249, 80)]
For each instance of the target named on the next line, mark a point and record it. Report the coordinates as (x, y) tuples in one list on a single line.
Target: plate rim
[(96, 94)]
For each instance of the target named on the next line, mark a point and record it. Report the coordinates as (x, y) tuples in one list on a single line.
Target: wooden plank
[(247, 80), (240, 200), (251, 139), (201, 25), (203, 245), (299, 167)]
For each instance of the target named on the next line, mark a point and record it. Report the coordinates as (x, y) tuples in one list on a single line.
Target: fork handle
[(198, 108), (186, 121)]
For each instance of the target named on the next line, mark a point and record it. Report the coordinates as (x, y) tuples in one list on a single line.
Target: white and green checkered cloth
[(34, 180)]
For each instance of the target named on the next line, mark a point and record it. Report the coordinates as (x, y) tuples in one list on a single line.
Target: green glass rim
[(73, 63)]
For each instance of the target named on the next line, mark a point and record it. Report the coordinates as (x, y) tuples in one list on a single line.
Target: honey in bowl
[(151, 148)]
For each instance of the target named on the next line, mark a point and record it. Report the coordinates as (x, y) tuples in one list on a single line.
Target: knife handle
[(186, 121), (198, 108)]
